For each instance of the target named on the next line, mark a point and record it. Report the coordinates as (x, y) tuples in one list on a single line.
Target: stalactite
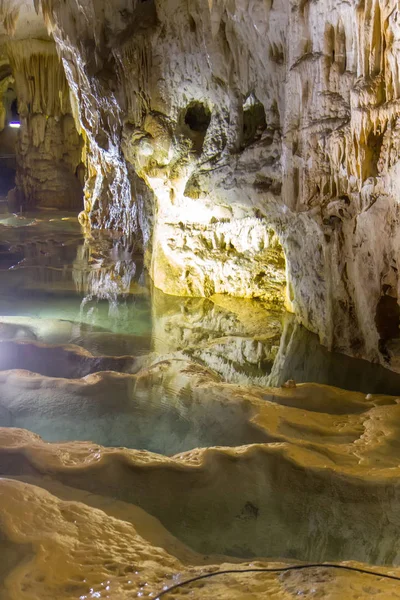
[(134, 60), (9, 13), (48, 151), (39, 76)]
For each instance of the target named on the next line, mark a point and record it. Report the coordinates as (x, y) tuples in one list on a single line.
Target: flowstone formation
[(113, 550), (35, 96), (49, 149), (146, 438), (327, 490), (253, 126)]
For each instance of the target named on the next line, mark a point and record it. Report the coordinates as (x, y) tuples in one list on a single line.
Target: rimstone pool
[(84, 342), (116, 374)]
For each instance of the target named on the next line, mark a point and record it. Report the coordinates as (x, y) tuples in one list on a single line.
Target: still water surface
[(58, 287)]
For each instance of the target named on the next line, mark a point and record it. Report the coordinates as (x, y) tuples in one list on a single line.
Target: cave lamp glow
[(15, 121)]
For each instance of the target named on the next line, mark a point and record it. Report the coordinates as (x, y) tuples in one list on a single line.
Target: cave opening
[(15, 121), (198, 117), (41, 148), (8, 143)]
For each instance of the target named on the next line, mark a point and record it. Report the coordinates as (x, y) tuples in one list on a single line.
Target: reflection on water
[(48, 270), (247, 344), (102, 356), (58, 287), (115, 409), (104, 269)]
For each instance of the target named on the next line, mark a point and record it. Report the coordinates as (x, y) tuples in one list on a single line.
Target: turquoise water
[(49, 270), (58, 287), (90, 351)]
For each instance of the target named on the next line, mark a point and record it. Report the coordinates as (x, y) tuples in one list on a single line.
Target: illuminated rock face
[(204, 140), (340, 163), (244, 119)]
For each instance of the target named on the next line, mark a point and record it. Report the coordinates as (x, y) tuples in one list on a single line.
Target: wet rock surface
[(97, 554), (238, 148), (237, 137), (156, 438)]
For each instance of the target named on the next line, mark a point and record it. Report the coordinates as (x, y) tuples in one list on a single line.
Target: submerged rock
[(314, 455)]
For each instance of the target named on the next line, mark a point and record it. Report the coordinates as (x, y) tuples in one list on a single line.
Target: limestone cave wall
[(88, 36), (49, 148), (221, 131), (339, 165), (204, 138)]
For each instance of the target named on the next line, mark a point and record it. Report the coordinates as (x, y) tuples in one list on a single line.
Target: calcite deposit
[(326, 490), (49, 168), (244, 154), (231, 136), (49, 148), (67, 547)]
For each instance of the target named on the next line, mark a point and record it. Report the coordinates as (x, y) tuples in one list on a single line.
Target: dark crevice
[(198, 117), (387, 318), (254, 120), (196, 120)]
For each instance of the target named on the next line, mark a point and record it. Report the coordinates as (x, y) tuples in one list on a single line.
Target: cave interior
[(199, 299)]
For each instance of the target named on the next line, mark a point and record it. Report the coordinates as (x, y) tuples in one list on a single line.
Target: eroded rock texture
[(188, 138), (48, 151), (341, 158), (249, 122), (49, 148), (88, 37)]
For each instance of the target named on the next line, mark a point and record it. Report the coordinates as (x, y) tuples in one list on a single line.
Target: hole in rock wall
[(197, 119), (373, 152), (254, 120), (14, 116), (387, 320), (192, 25)]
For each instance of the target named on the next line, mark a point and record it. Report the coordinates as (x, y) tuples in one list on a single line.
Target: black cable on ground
[(274, 570)]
